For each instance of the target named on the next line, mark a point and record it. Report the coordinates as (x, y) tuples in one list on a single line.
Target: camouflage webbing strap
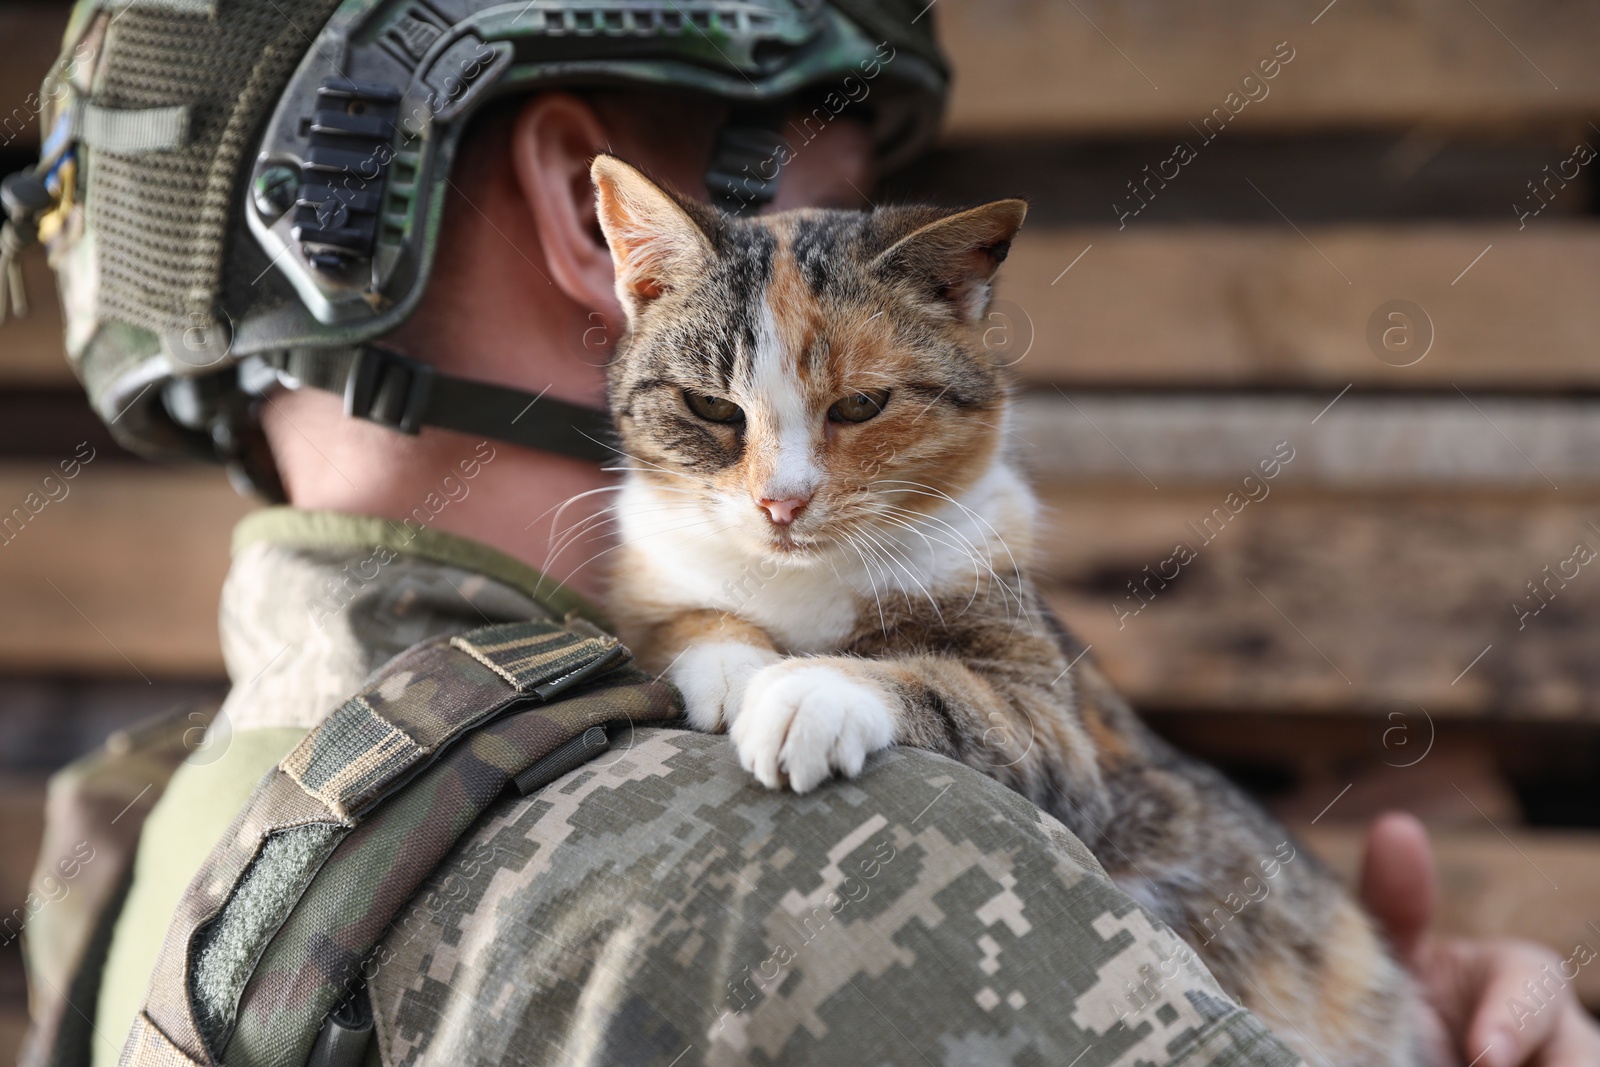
[(276, 928)]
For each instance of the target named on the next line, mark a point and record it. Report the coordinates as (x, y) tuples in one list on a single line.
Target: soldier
[(437, 819)]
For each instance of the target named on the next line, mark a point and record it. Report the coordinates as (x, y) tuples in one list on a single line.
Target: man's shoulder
[(658, 900)]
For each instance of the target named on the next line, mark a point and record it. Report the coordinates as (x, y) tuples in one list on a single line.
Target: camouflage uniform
[(656, 906)]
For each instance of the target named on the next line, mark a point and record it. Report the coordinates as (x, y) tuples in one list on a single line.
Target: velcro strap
[(351, 757), (185, 7), (154, 129), (384, 733), (543, 663)]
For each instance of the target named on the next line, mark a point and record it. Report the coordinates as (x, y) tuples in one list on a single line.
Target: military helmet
[(243, 193)]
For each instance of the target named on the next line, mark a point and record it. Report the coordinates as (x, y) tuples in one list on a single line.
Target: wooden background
[(1344, 644)]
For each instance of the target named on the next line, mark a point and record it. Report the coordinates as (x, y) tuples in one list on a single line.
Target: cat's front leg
[(804, 718), (711, 657)]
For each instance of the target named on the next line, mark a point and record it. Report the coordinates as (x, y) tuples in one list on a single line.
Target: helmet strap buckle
[(388, 388)]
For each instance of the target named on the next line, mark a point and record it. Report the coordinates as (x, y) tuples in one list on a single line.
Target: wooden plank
[(1309, 601), (45, 424), (13, 1025), (1400, 591), (1035, 65), (1447, 771), (1233, 306), (54, 719), (1221, 306), (21, 827), (31, 350), (1535, 884), (120, 576), (1356, 441), (1334, 177), (1097, 66), (31, 30)]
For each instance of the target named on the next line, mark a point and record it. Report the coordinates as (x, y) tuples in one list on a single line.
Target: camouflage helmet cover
[(233, 187)]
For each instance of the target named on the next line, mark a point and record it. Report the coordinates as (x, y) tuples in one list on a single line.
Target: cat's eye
[(859, 407), (713, 408)]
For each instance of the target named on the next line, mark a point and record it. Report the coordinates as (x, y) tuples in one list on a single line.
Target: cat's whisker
[(656, 470), (871, 581), (558, 540), (962, 549), (887, 561), (904, 565), (977, 555), (911, 518), (923, 489), (927, 542), (577, 536), (979, 565), (561, 508), (928, 490), (612, 548), (631, 458), (879, 558), (885, 512), (591, 523), (981, 561)]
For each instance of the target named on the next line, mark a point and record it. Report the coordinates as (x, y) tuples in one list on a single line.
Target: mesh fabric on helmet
[(161, 220)]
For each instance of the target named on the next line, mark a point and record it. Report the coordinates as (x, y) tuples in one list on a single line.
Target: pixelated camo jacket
[(655, 905)]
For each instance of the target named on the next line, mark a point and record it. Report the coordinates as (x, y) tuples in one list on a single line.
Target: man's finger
[(1397, 881), (1576, 1042), (1509, 1024)]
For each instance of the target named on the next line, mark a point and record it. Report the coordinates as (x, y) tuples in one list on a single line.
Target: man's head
[(523, 294), (279, 193)]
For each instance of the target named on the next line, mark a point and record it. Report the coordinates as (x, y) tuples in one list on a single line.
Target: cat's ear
[(654, 242), (954, 258)]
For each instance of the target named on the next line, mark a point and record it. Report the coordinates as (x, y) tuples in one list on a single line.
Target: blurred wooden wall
[(1343, 641)]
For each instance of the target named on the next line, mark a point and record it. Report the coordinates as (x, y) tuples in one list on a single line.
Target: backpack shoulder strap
[(272, 934)]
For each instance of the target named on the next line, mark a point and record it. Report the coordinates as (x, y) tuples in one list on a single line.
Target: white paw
[(803, 720), (712, 678)]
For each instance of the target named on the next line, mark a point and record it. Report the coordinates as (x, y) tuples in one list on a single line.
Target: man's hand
[(1468, 982)]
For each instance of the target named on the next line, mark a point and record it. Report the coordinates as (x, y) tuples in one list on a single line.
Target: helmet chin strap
[(405, 395)]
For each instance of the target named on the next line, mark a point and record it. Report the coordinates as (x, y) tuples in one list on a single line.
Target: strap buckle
[(387, 388)]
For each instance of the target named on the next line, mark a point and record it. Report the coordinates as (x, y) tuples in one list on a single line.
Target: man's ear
[(554, 137), (655, 244), (953, 259)]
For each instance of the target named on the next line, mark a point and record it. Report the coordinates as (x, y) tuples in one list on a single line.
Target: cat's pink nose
[(782, 512)]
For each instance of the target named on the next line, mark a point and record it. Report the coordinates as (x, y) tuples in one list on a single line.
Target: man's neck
[(542, 509)]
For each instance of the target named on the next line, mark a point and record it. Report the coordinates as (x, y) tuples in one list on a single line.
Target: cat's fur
[(896, 605)]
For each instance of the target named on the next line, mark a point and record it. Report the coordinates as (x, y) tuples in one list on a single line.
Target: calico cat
[(824, 543)]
